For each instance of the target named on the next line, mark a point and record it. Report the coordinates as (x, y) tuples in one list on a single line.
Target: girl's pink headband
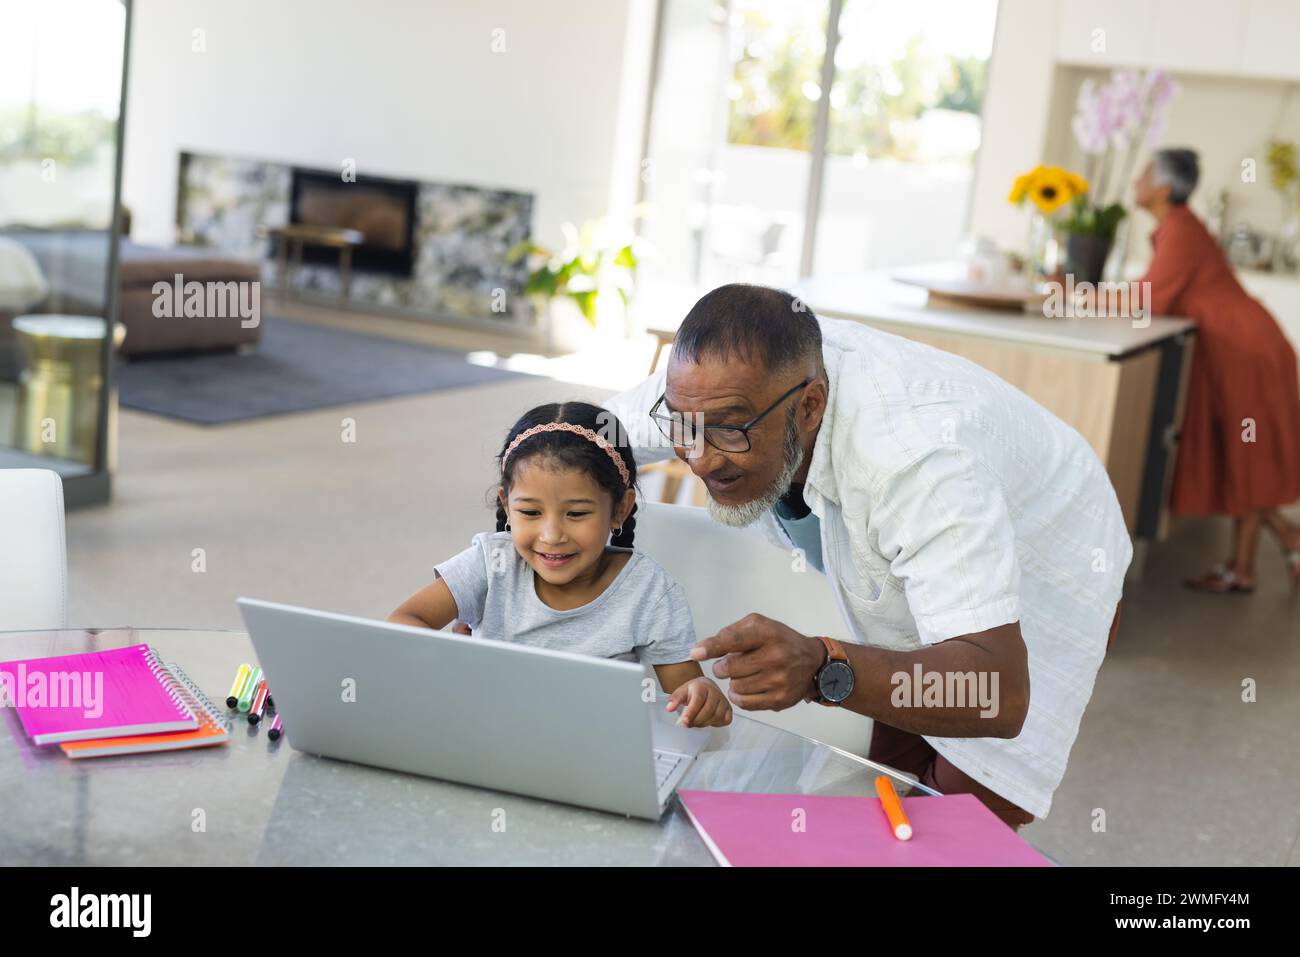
[(576, 430)]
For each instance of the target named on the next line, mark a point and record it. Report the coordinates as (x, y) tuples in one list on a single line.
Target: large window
[(768, 161)]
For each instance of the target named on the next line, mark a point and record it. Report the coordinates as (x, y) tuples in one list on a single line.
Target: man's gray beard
[(747, 513)]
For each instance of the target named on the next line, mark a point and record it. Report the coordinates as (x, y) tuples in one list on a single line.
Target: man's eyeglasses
[(681, 430)]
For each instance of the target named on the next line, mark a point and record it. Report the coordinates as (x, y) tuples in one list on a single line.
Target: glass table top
[(253, 801)]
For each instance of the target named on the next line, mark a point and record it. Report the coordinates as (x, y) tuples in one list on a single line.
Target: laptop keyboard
[(665, 764)]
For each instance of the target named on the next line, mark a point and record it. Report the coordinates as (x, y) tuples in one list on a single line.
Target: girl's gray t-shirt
[(643, 614)]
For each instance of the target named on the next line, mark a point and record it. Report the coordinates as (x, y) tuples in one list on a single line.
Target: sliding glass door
[(903, 132), (731, 140), (61, 96), (828, 136)]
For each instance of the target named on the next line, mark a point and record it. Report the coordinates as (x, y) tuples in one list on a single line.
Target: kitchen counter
[(880, 300)]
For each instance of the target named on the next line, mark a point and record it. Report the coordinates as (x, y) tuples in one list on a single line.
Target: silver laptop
[(547, 724)]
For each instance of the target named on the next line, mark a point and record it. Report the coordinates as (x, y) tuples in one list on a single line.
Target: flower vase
[(564, 326), (1044, 250), (1085, 256)]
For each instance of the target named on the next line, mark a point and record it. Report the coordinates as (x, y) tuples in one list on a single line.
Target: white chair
[(728, 573), (34, 557)]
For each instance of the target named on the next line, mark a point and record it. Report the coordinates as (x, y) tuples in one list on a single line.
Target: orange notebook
[(214, 728)]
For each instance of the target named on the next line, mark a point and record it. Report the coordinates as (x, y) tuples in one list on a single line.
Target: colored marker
[(258, 707), (276, 729), (246, 696), (232, 699), (893, 809)]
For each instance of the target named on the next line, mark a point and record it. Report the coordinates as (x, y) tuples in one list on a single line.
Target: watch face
[(835, 681)]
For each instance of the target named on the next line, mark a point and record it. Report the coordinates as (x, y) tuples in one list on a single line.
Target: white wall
[(1015, 112), (404, 87)]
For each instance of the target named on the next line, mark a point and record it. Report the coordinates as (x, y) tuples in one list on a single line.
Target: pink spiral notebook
[(808, 830), (102, 694)]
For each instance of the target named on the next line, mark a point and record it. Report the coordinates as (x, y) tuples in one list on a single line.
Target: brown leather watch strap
[(834, 650)]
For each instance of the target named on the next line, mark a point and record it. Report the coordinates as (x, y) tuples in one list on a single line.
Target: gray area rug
[(297, 367)]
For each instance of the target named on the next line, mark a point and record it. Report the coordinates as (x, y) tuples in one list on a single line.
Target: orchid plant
[(1114, 121)]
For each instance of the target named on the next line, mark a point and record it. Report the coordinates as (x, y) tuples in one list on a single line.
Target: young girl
[(553, 577)]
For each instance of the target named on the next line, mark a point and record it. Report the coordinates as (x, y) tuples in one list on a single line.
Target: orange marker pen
[(893, 809)]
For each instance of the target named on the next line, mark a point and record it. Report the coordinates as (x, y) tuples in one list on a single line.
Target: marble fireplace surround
[(462, 235)]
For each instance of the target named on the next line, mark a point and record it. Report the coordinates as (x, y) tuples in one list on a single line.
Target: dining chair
[(728, 573)]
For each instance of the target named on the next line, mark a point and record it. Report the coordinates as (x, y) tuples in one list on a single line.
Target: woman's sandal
[(1220, 580), (1291, 552)]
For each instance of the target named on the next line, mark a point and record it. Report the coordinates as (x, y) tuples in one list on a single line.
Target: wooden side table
[(298, 235)]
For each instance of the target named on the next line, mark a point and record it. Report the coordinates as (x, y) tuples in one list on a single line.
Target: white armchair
[(728, 573), (33, 559)]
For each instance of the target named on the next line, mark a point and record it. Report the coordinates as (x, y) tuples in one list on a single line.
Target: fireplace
[(381, 209), (440, 250)]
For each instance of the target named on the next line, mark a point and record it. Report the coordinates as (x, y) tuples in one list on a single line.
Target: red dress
[(1243, 371)]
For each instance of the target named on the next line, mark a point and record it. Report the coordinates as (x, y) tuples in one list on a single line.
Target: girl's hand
[(702, 703)]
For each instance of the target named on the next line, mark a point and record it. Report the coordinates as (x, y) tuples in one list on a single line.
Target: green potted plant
[(594, 277), (1090, 233)]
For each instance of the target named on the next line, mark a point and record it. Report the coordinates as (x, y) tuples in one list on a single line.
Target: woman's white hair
[(1180, 170)]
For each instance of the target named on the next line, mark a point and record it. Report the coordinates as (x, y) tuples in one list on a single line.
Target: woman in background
[(1239, 453)]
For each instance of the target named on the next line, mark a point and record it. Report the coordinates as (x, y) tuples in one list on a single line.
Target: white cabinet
[(1219, 37), (1196, 36), (1271, 38), (1105, 32)]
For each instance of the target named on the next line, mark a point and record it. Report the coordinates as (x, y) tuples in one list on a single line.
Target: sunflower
[(1020, 187), (1049, 187)]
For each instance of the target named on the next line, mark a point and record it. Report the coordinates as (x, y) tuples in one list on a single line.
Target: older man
[(973, 541)]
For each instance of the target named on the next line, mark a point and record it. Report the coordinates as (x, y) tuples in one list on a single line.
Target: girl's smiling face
[(561, 520)]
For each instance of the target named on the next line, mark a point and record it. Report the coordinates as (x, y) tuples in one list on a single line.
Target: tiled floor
[(1184, 770)]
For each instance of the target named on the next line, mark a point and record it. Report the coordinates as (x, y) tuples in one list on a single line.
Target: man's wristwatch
[(833, 682)]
